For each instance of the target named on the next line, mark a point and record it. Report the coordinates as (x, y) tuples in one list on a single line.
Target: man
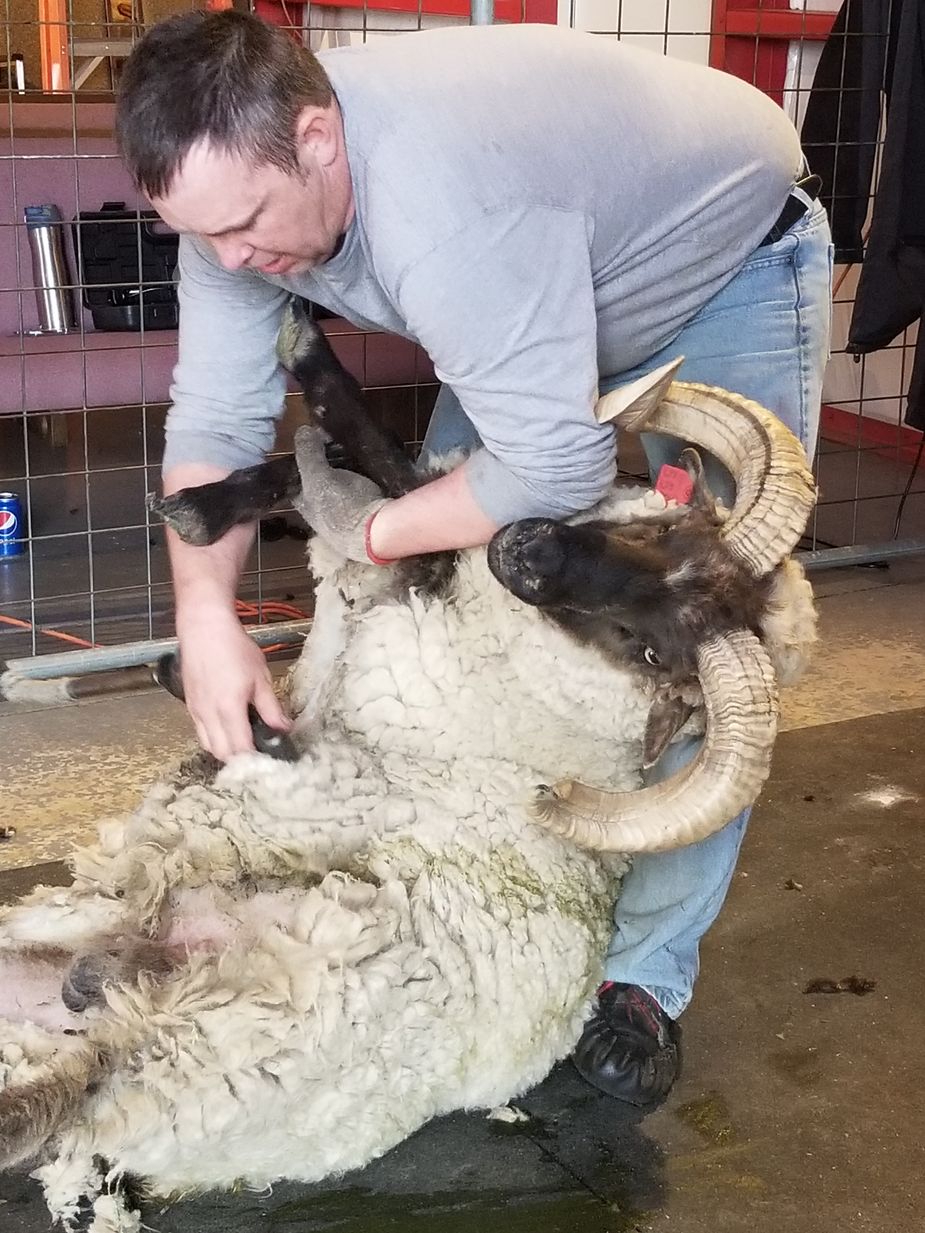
[(548, 213)]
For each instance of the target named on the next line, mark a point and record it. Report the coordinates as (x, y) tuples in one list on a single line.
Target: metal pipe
[(115, 681), (129, 654), (859, 554), (482, 12)]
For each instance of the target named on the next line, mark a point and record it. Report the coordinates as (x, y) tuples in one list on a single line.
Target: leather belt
[(794, 208)]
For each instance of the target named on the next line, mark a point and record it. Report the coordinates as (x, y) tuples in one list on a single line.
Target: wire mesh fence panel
[(88, 314), (84, 388)]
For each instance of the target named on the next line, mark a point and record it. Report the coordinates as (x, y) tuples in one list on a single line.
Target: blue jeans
[(765, 335)]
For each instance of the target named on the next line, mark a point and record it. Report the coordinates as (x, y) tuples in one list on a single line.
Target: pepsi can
[(12, 539)]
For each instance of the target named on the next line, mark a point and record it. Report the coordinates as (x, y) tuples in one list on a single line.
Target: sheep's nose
[(542, 555), (528, 558)]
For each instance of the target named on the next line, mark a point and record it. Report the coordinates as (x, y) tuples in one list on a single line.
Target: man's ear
[(316, 135)]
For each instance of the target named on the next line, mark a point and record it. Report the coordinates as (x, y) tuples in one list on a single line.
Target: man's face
[(258, 217)]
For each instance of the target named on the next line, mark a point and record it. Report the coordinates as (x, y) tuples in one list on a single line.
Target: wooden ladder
[(68, 63)]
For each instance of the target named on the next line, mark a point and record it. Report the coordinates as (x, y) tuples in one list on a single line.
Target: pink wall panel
[(74, 166)]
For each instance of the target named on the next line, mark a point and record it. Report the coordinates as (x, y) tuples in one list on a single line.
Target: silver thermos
[(49, 269)]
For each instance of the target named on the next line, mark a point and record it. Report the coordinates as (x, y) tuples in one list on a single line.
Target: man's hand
[(223, 671), (337, 505)]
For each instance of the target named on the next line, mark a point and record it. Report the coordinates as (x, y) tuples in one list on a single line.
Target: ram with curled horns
[(280, 970)]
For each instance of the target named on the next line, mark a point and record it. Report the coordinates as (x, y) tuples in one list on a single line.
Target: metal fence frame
[(76, 431)]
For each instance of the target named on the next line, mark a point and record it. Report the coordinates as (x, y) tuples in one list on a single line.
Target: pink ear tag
[(675, 484)]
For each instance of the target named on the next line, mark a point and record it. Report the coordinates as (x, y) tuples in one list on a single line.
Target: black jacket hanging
[(842, 118), (876, 49)]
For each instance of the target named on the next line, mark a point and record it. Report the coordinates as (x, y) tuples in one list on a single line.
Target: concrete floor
[(800, 1104)]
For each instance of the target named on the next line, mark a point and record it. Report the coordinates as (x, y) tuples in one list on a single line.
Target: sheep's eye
[(651, 657)]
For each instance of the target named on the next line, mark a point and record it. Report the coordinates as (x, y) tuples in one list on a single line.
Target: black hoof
[(190, 513), (300, 342), (203, 514)]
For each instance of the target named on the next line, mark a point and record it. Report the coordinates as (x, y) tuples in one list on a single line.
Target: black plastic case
[(127, 261)]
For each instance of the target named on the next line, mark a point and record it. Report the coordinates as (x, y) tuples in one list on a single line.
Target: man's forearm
[(204, 577), (441, 514)]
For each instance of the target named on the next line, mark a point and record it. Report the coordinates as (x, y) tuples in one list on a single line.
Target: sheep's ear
[(634, 402), (666, 717), (702, 497)]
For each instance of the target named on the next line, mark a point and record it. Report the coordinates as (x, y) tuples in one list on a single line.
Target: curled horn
[(775, 493), (740, 695), (775, 490)]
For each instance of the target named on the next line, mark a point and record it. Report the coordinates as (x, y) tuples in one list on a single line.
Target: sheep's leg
[(45, 1080), (46, 1083), (333, 398), (202, 515)]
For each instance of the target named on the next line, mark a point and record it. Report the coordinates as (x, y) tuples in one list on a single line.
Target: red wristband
[(376, 560)]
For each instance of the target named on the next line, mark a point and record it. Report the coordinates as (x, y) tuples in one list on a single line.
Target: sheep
[(283, 969)]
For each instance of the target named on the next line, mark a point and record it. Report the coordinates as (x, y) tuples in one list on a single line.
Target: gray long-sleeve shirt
[(536, 207)]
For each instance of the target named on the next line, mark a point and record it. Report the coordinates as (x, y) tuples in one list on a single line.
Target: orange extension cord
[(246, 612)]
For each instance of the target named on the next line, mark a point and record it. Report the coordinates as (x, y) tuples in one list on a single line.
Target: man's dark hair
[(228, 78)]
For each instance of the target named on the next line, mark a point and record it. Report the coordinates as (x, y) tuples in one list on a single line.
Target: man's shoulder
[(457, 42)]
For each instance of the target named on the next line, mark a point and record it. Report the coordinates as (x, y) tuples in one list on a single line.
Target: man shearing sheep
[(549, 214)]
